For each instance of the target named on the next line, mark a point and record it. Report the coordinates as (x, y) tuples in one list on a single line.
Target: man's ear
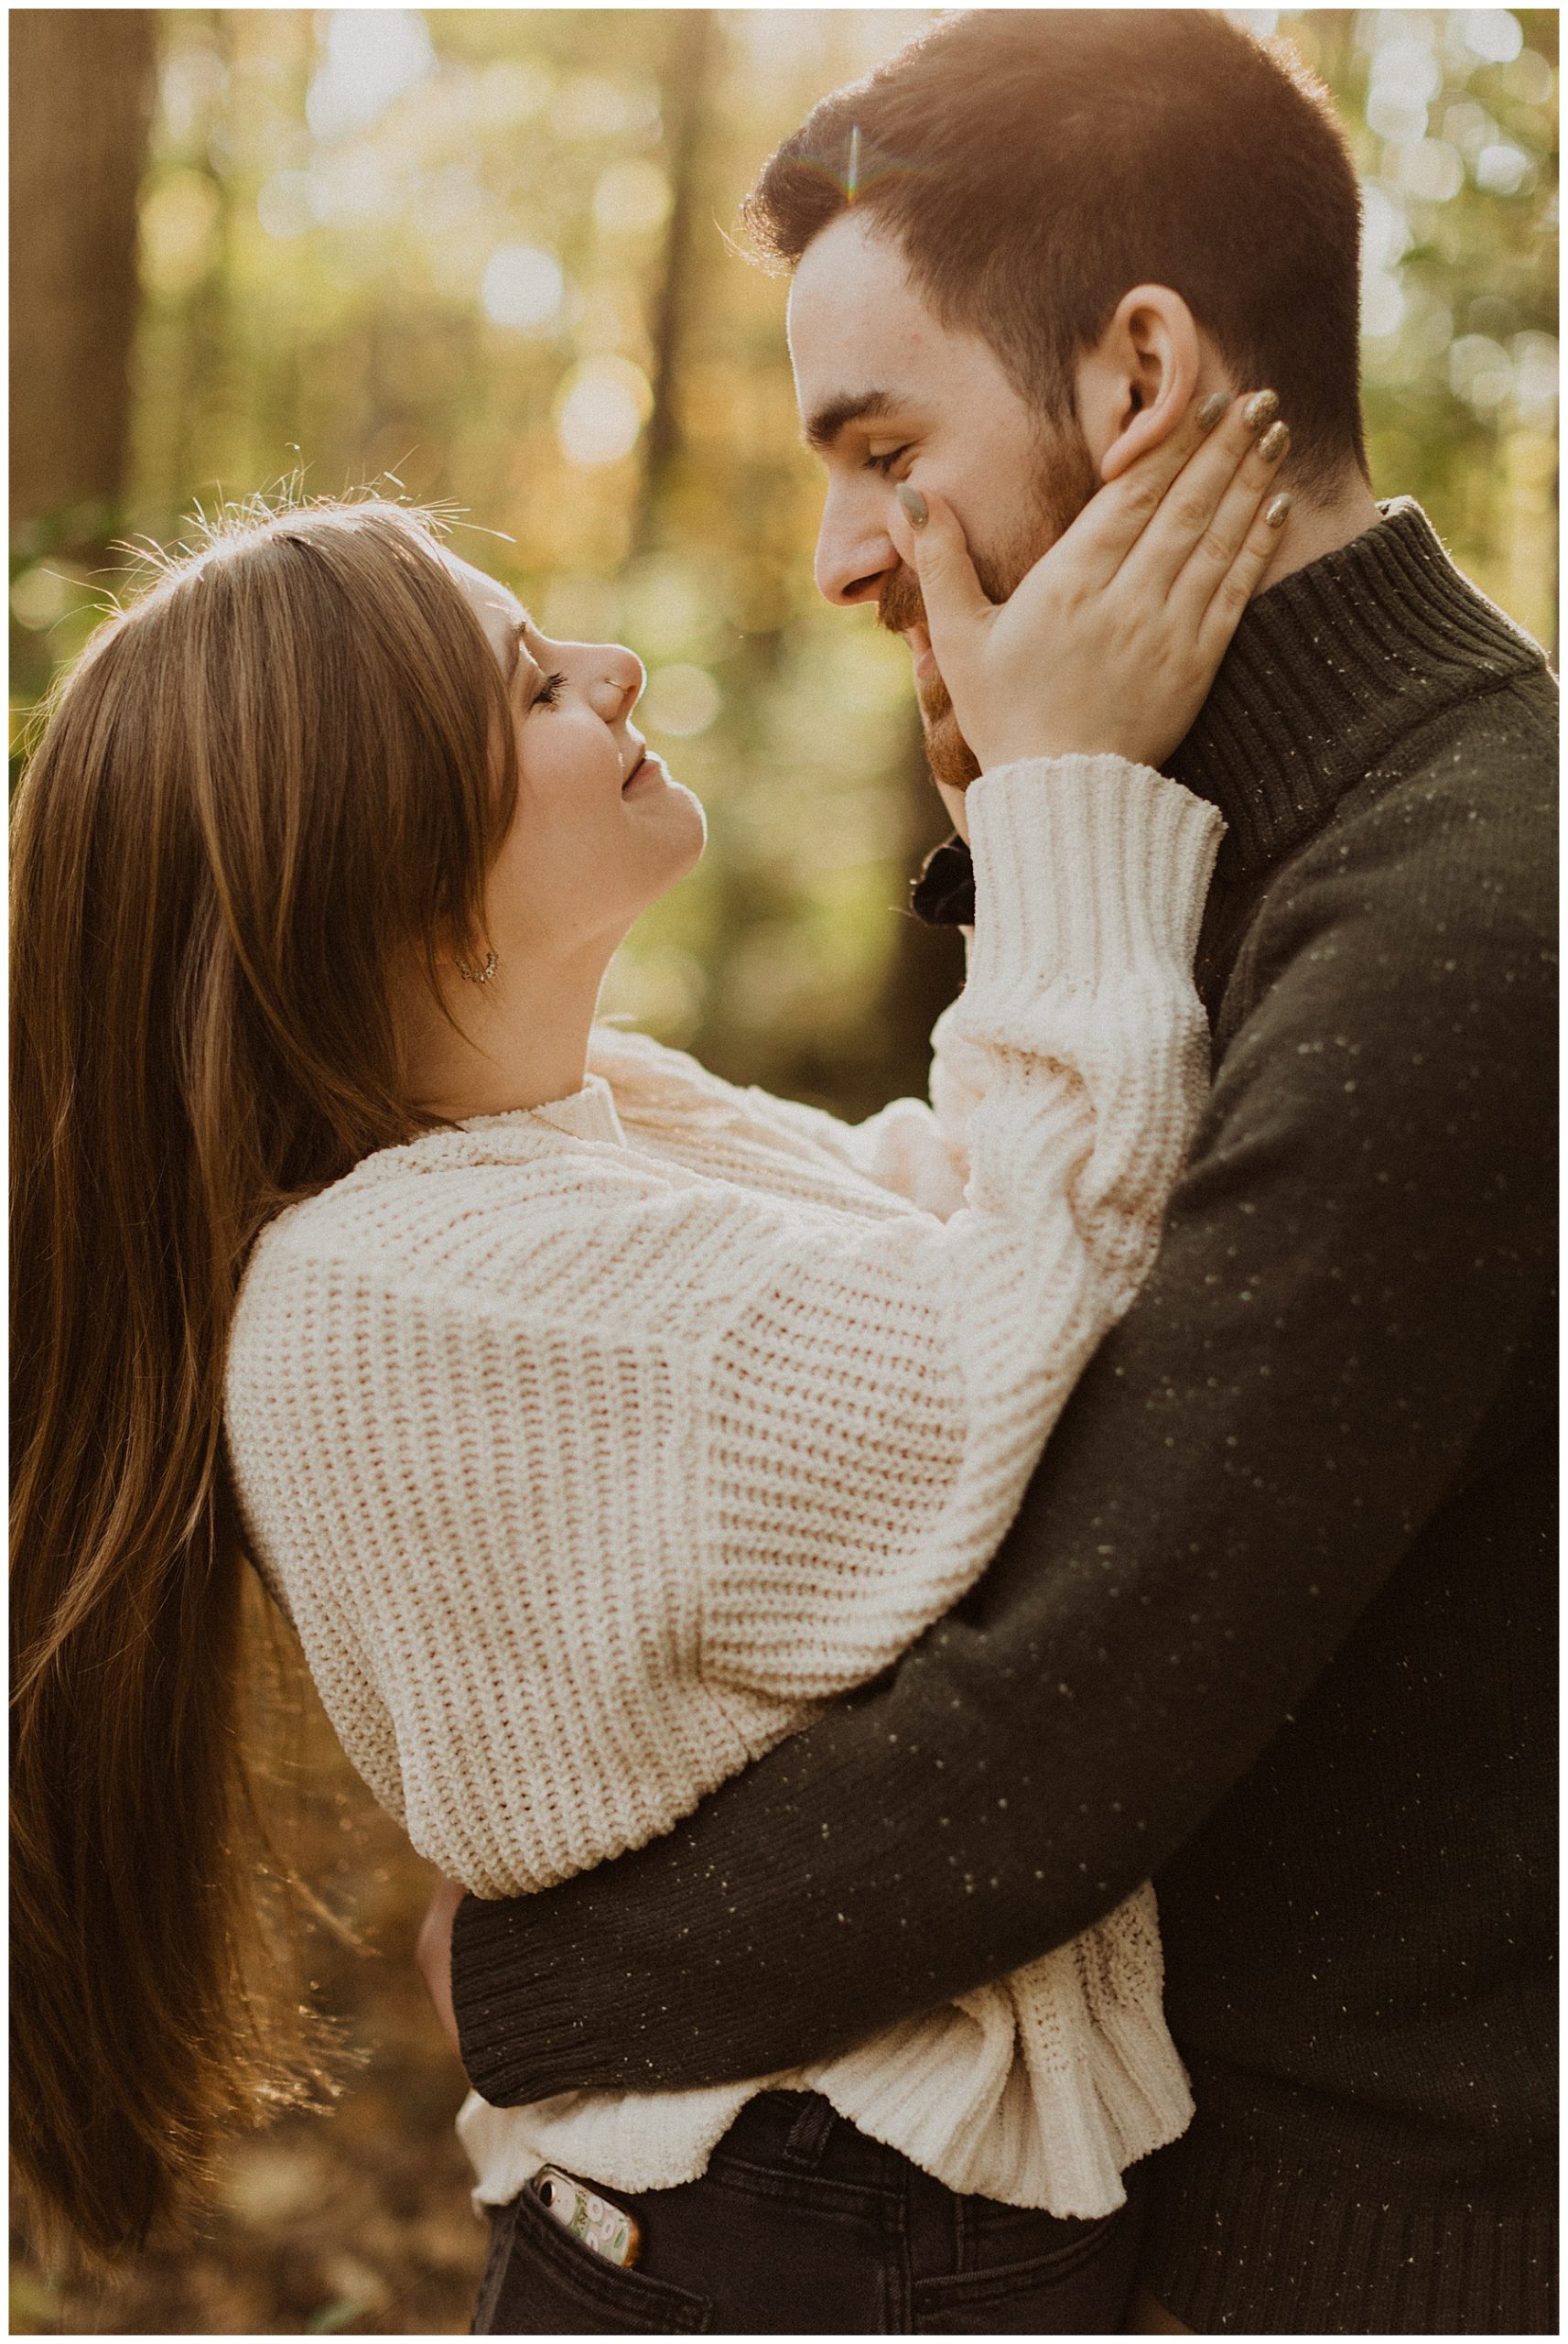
[(1138, 381)]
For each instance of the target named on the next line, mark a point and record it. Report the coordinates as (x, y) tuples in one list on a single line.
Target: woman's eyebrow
[(516, 649)]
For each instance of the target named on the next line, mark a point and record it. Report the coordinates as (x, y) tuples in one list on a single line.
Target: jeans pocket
[(540, 2280), (1078, 2287)]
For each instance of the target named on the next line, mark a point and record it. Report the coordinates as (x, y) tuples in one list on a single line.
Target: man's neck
[(1318, 527)]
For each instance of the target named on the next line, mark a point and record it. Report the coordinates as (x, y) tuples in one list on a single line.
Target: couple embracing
[(806, 1581)]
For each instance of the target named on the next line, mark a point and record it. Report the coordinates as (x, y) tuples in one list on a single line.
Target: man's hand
[(433, 1952)]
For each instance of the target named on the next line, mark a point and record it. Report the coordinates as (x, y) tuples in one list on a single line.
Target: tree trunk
[(686, 80), (82, 98)]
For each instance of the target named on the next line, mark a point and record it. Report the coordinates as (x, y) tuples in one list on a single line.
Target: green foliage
[(458, 251), (1452, 115)]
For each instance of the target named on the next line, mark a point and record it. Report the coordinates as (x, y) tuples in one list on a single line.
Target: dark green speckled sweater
[(1275, 1622)]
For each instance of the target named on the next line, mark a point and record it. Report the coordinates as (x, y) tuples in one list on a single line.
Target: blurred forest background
[(480, 256)]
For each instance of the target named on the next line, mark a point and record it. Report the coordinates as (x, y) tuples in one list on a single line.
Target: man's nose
[(854, 551)]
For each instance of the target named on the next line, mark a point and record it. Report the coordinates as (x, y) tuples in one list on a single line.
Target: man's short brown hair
[(1034, 165)]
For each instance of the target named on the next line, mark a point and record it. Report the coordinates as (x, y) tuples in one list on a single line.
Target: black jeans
[(801, 2226)]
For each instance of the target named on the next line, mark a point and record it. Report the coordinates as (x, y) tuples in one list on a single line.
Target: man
[(1272, 1624)]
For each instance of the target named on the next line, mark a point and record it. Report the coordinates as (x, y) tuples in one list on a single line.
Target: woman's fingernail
[(1213, 407), (1259, 409), (1274, 442), (1279, 512), (914, 504)]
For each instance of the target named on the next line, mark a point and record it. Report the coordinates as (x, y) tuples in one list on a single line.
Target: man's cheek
[(935, 703)]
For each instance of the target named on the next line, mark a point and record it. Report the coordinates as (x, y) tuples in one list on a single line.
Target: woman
[(593, 1421)]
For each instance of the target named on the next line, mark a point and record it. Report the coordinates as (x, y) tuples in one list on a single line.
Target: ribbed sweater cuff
[(1085, 868), (515, 2032)]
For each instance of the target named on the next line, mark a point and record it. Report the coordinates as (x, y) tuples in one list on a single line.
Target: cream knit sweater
[(591, 1447)]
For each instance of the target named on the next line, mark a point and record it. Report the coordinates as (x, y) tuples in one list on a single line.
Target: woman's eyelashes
[(548, 693), (884, 463)]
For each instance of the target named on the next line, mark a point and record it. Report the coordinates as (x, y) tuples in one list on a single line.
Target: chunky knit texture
[(1275, 1620), (592, 1448)]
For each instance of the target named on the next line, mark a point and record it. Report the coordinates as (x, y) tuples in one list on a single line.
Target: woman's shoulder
[(514, 1210), (443, 1207), (747, 1136), (657, 1086), (653, 1081), (662, 1167)]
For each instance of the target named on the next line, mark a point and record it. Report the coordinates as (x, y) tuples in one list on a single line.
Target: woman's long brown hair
[(267, 791)]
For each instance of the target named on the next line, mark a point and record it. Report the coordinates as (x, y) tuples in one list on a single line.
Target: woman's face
[(600, 828)]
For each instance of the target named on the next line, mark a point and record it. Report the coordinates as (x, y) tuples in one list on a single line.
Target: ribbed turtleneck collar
[(1327, 671)]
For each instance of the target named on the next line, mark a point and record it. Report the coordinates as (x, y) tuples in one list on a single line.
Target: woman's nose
[(621, 678)]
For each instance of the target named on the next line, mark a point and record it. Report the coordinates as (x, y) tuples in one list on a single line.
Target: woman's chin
[(694, 819), (677, 813)]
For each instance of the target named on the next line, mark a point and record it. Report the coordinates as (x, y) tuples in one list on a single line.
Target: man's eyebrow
[(852, 407)]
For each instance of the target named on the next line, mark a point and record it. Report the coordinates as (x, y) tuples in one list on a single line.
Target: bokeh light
[(602, 407), (1492, 34), (372, 55), (631, 198), (681, 700), (478, 255), (522, 287)]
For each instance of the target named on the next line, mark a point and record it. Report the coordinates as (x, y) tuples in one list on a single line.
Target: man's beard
[(1063, 480)]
